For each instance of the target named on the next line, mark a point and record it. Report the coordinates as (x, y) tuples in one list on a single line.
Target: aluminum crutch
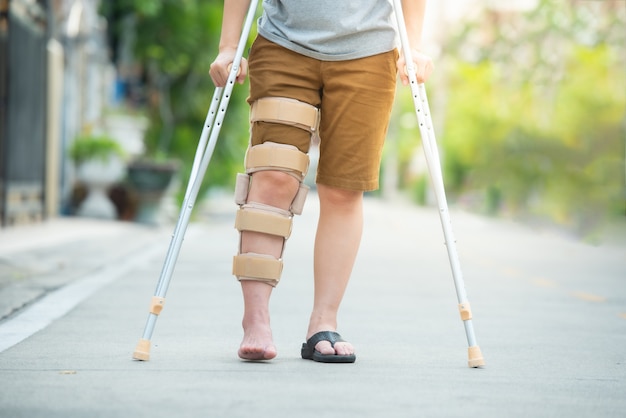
[(206, 145), (429, 142)]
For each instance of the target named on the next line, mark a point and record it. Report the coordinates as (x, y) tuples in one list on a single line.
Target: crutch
[(210, 131), (429, 142)]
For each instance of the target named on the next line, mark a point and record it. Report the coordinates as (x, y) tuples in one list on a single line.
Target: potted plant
[(149, 170), (99, 163), (148, 180)]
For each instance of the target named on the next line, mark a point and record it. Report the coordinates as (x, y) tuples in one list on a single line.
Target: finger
[(217, 75), (424, 72), (419, 74), (217, 80), (405, 76), (243, 71)]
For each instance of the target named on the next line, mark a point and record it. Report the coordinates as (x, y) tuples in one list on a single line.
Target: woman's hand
[(422, 63), (220, 68)]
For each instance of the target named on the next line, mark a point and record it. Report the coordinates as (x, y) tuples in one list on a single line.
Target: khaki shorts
[(355, 98)]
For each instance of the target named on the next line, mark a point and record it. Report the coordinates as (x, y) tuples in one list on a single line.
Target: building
[(53, 76)]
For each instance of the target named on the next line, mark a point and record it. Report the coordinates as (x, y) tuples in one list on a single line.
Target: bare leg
[(336, 245), (275, 189)]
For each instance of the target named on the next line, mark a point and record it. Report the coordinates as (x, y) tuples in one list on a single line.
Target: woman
[(317, 68)]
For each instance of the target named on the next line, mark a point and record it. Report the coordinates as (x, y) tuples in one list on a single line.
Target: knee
[(271, 187), (339, 197)]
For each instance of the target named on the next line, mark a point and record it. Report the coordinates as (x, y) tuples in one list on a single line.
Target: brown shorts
[(355, 98)]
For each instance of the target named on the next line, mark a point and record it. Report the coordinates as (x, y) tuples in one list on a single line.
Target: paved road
[(549, 315)]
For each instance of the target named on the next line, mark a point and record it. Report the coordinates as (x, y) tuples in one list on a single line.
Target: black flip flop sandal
[(309, 352)]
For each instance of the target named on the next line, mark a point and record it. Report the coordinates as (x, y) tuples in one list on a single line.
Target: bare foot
[(257, 343)]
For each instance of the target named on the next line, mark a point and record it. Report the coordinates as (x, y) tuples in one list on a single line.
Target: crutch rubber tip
[(475, 357), (142, 352)]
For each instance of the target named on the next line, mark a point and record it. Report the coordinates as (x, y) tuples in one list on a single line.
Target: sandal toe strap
[(330, 336)]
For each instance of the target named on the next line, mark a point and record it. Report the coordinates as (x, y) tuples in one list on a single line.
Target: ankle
[(255, 319), (318, 324)]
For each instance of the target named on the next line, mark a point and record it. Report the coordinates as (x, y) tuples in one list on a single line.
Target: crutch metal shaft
[(429, 142), (204, 152)]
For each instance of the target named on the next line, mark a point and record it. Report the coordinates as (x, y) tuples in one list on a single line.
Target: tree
[(535, 115), (175, 43)]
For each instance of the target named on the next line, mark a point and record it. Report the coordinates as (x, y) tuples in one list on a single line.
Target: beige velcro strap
[(265, 219), (242, 186), (298, 202), (269, 155), (251, 266), (286, 111)]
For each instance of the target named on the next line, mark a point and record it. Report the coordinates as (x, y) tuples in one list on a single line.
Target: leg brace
[(258, 217)]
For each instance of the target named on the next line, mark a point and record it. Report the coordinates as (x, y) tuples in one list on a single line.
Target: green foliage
[(175, 43), (563, 158), (89, 147), (535, 133)]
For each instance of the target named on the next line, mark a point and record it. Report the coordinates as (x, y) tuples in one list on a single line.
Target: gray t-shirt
[(330, 30)]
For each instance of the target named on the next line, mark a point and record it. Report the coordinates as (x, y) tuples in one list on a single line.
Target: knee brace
[(257, 217)]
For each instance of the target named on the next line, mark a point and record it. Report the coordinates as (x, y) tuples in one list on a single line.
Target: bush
[(101, 148)]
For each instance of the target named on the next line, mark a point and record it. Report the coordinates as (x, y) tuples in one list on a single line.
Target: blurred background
[(528, 100)]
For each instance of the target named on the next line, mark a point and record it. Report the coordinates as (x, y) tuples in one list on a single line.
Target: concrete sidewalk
[(38, 259), (549, 314)]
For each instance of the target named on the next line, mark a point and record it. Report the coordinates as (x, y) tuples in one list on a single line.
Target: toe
[(257, 353), (324, 347), (343, 349)]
